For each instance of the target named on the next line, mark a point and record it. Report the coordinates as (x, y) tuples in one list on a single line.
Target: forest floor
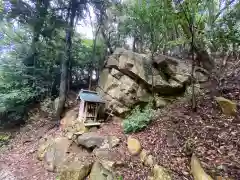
[(212, 136), (19, 157)]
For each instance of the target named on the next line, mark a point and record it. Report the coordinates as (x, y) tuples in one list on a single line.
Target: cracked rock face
[(127, 79)]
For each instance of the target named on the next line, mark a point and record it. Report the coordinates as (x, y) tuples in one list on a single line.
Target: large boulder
[(98, 172), (119, 93), (54, 152), (75, 171), (109, 159), (90, 140), (93, 140), (127, 79), (110, 142)]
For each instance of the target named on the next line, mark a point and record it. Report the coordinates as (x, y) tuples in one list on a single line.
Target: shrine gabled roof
[(90, 96)]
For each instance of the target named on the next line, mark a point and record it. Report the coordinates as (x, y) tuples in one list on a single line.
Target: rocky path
[(19, 159)]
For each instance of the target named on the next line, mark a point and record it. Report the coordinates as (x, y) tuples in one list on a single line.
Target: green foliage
[(57, 177), (15, 90), (4, 139), (82, 52), (120, 178), (30, 70), (138, 119), (1, 9), (163, 25), (145, 23), (226, 31)]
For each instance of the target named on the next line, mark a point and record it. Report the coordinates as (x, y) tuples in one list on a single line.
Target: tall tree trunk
[(194, 102), (134, 45), (234, 47), (90, 78), (90, 71), (69, 75), (107, 41), (191, 28), (141, 46), (203, 57), (66, 60)]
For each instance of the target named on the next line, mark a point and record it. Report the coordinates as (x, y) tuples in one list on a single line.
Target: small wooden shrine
[(90, 102)]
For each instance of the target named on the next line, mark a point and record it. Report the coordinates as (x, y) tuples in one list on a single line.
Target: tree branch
[(223, 9)]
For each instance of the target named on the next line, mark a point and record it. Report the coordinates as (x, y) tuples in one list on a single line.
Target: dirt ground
[(213, 137), (20, 157)]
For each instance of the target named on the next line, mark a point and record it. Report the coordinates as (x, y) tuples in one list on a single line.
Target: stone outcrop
[(127, 79), (53, 152)]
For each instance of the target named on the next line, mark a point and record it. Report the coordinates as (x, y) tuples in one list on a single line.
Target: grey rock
[(90, 140)]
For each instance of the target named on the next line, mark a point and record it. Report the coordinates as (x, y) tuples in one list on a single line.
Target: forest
[(51, 49)]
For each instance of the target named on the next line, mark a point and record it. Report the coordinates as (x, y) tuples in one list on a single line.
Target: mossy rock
[(4, 139), (75, 171)]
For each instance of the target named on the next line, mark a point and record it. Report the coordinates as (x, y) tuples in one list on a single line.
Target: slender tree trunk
[(234, 47), (134, 45), (69, 76), (66, 61), (90, 78), (107, 41), (152, 59), (194, 102), (203, 56), (93, 59)]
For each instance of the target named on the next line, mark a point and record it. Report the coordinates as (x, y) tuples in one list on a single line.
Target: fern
[(138, 119)]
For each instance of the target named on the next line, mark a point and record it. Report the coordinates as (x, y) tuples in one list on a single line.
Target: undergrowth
[(4, 139), (138, 119)]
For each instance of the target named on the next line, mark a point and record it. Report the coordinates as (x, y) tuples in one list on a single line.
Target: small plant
[(4, 139), (138, 119), (57, 177), (120, 178)]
